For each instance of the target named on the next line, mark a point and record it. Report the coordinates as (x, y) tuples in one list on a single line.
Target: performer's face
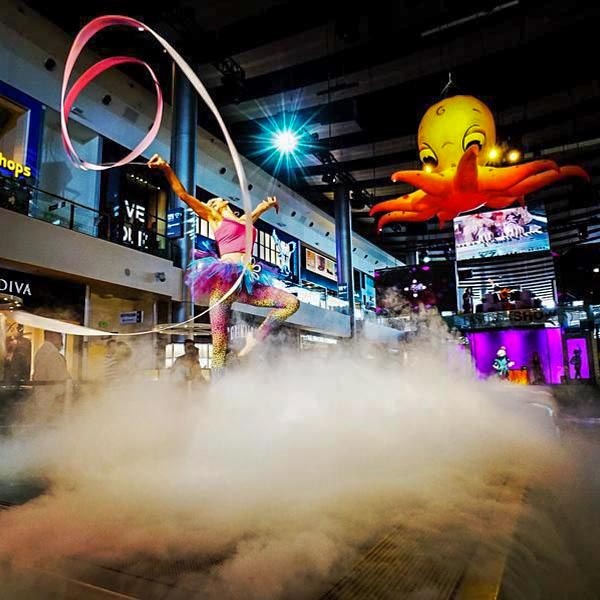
[(218, 204)]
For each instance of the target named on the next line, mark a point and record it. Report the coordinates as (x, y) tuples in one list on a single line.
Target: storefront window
[(14, 121), (135, 199), (60, 179)]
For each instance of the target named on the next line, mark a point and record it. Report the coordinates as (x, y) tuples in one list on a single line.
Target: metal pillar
[(343, 245), (183, 162)]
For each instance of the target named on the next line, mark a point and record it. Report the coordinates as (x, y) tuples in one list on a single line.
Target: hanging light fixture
[(10, 302)]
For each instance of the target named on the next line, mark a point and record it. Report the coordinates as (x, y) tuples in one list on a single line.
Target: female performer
[(214, 275)]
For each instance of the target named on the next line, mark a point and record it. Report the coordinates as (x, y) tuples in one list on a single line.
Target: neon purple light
[(520, 346)]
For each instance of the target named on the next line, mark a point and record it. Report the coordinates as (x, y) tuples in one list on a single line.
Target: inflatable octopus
[(455, 138)]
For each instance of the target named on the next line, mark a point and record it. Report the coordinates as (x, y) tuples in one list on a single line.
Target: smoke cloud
[(277, 478)]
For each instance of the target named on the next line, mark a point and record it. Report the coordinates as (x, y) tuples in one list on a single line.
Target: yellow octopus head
[(449, 127)]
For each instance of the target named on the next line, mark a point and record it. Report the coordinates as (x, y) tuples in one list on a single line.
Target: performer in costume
[(214, 275), (502, 363)]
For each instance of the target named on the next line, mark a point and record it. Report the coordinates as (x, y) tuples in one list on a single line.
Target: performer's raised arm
[(200, 208), (264, 206)]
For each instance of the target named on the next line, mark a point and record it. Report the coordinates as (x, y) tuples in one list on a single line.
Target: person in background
[(576, 362), (111, 370), (537, 372), (50, 370), (16, 364), (468, 300), (49, 364), (187, 366), (124, 361)]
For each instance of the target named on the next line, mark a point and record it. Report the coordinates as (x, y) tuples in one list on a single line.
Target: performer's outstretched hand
[(157, 162), (271, 202)]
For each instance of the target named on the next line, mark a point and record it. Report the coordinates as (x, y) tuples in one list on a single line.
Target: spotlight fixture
[(513, 156), (329, 177), (50, 64), (107, 100), (160, 276), (285, 141), (222, 170)]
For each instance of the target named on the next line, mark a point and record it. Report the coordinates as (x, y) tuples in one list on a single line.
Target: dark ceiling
[(361, 82)]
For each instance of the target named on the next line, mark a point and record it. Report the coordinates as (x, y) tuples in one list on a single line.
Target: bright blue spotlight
[(285, 142)]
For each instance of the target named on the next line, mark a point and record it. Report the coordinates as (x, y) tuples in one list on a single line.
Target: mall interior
[(437, 229)]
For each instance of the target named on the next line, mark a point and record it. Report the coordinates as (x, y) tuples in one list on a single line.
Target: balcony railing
[(45, 206)]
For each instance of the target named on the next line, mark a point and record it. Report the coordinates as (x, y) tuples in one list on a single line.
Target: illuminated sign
[(175, 223), (15, 287), (321, 265), (135, 216), (16, 168)]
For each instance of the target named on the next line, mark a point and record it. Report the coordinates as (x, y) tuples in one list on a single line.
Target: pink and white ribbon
[(69, 97)]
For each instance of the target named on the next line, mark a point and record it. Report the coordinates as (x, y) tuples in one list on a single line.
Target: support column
[(183, 162), (343, 245)]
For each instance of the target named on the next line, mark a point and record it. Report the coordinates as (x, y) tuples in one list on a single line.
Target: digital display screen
[(514, 230)]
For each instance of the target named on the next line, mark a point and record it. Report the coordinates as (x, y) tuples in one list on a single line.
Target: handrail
[(98, 223)]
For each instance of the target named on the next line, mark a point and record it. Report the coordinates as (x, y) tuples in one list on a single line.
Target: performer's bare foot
[(251, 341)]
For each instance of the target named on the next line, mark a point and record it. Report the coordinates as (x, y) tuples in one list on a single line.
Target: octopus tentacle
[(405, 216), (436, 184), (503, 201), (500, 179), (466, 178), (414, 201), (535, 182)]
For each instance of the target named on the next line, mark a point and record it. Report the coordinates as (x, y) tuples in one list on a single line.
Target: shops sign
[(16, 168)]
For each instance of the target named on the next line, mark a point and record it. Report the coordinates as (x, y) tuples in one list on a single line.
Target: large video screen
[(514, 230), (406, 289)]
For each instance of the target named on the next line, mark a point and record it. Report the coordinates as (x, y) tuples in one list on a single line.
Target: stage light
[(596, 269), (493, 154), (513, 156), (285, 141)]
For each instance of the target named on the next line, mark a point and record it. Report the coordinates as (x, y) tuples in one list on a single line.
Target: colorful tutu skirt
[(207, 272)]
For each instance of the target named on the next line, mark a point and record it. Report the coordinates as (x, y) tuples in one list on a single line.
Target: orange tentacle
[(436, 184), (503, 201), (492, 179), (541, 180), (465, 179), (402, 216), (414, 201)]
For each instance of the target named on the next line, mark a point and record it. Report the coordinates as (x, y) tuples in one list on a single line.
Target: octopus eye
[(427, 157), (475, 137)]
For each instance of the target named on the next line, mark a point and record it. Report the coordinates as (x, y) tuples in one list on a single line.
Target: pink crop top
[(231, 236)]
